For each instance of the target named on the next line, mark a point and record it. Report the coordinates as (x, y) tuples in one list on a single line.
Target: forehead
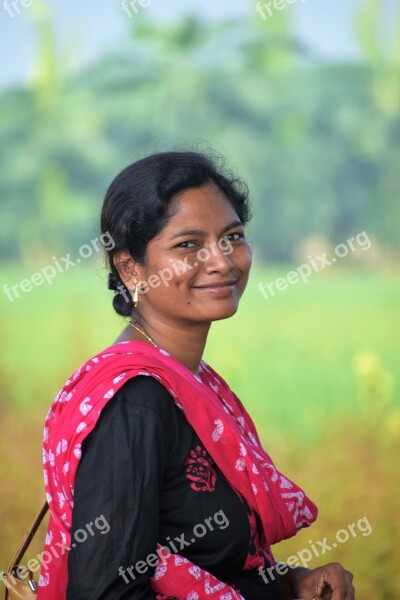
[(206, 205)]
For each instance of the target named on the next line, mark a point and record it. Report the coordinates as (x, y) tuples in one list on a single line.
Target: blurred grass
[(289, 358), (316, 366)]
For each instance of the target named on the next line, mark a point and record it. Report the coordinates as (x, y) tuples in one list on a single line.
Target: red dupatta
[(223, 426)]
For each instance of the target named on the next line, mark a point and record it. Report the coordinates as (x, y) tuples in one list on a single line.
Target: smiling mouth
[(217, 285)]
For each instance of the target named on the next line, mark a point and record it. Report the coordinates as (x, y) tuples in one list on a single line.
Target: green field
[(316, 366), (291, 358)]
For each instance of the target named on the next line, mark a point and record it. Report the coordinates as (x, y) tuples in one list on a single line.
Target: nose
[(218, 258)]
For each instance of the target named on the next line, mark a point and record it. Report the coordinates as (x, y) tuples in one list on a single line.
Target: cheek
[(160, 270), (172, 281), (243, 283), (244, 265), (244, 259)]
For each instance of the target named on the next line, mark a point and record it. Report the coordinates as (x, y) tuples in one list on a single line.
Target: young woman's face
[(182, 268)]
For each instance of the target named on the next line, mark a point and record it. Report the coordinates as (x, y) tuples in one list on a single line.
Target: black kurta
[(145, 475)]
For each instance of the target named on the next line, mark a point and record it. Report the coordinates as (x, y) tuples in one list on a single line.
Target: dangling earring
[(135, 294)]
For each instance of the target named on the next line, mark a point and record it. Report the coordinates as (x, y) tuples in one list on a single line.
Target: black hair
[(137, 205)]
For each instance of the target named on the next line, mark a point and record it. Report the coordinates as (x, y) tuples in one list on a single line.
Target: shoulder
[(141, 408), (145, 392)]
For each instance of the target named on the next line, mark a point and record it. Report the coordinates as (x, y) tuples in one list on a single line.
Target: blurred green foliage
[(317, 142)]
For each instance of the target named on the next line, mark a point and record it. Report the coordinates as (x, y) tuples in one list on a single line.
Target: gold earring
[(135, 294)]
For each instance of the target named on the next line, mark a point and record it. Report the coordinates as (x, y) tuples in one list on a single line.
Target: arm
[(117, 489), (287, 580)]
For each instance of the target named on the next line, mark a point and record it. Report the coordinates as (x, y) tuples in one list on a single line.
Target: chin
[(223, 312)]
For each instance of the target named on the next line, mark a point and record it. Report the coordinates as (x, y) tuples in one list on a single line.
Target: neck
[(183, 342)]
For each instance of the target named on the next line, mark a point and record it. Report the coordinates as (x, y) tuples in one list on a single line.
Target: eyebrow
[(199, 232)]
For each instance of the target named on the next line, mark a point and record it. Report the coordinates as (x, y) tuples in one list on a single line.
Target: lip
[(217, 285), (224, 289)]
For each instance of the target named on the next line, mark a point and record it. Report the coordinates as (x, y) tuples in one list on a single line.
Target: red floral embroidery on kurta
[(200, 471)]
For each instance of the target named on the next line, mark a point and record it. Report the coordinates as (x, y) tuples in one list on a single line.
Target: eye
[(187, 242), (241, 235)]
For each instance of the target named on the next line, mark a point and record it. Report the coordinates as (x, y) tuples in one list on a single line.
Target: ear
[(125, 266)]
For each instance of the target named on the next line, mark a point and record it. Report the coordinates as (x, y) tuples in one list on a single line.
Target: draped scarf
[(224, 427)]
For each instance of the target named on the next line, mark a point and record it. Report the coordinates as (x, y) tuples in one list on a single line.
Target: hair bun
[(122, 301), (113, 281)]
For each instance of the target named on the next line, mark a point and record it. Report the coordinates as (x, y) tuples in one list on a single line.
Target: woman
[(157, 482)]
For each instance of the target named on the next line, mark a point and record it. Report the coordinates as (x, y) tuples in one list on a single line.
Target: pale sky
[(326, 26)]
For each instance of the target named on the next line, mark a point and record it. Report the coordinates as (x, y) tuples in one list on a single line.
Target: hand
[(330, 582)]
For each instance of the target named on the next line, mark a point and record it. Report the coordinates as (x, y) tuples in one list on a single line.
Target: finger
[(332, 575), (351, 593), (339, 592), (350, 588)]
